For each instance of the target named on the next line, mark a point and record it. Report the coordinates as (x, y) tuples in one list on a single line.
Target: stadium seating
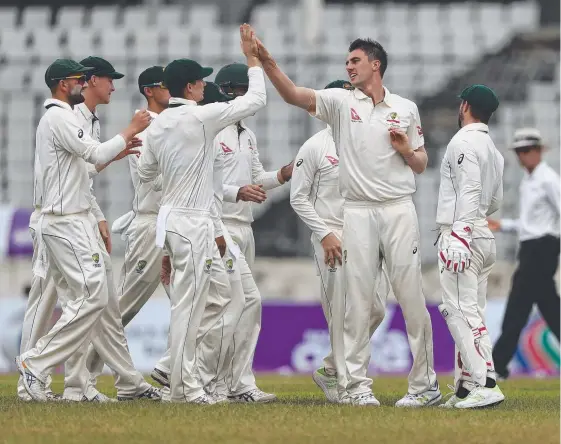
[(426, 47)]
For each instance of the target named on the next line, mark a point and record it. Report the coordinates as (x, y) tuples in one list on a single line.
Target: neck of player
[(155, 107), (90, 100), (374, 90)]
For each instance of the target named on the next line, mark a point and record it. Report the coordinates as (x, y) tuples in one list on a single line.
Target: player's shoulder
[(335, 94), (407, 105)]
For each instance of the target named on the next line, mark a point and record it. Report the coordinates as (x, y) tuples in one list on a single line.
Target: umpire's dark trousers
[(532, 283)]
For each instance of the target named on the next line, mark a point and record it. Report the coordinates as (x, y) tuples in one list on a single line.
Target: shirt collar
[(181, 101), (57, 102), (387, 96), (536, 173), (475, 127), (88, 115)]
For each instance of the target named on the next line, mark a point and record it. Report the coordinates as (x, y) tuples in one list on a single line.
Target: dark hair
[(479, 114), (373, 50), (178, 91)]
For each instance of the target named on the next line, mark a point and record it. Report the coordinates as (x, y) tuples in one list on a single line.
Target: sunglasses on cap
[(152, 85), (81, 78)]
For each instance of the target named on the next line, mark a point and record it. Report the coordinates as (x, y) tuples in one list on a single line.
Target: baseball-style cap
[(482, 97), (102, 68), (232, 75), (182, 71), (527, 137), (61, 69), (153, 76), (340, 84), (213, 93)]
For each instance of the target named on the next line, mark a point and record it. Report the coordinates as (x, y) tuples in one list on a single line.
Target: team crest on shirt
[(95, 258), (230, 266), (393, 119), (140, 267), (225, 148), (354, 116), (332, 160), (208, 264)]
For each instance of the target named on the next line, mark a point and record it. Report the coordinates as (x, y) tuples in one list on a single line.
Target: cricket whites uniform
[(67, 245), (180, 147), (379, 221), (471, 188), (242, 167), (79, 370), (315, 197)]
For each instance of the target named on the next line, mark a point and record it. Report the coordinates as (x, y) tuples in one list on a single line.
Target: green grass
[(529, 415)]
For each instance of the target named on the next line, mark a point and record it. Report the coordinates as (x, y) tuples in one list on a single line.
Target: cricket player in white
[(180, 148), (68, 249), (380, 143), (245, 180), (471, 188), (315, 197)]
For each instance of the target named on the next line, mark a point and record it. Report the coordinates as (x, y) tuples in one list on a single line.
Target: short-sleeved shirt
[(370, 169)]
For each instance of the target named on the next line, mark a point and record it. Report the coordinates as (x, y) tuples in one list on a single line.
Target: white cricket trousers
[(464, 298), (240, 379), (73, 254), (189, 240), (110, 343), (388, 231), (41, 303), (332, 291), (140, 276)]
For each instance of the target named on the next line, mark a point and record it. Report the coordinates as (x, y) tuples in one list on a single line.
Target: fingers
[(254, 193), (128, 152), (338, 255)]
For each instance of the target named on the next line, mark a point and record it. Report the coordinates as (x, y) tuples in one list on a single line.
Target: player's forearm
[(306, 212), (106, 151), (417, 161), (286, 88), (101, 167)]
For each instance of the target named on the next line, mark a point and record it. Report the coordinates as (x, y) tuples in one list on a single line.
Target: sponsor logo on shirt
[(80, 134), (332, 160), (420, 131), (300, 161), (225, 148), (354, 116), (249, 144), (460, 159)]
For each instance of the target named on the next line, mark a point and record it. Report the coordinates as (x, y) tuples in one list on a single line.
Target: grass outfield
[(530, 414)]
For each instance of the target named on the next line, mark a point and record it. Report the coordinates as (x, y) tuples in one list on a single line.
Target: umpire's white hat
[(526, 137)]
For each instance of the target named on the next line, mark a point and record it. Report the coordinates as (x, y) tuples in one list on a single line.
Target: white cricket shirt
[(471, 178), (180, 145), (539, 205), (370, 169), (314, 189), (146, 195), (241, 167), (90, 124), (62, 148)]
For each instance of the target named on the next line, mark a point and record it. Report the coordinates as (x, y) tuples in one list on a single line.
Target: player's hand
[(286, 172), (494, 225), (264, 54), (105, 234), (221, 244), (135, 142), (165, 273), (248, 41), (140, 121), (400, 142), (332, 250), (251, 193)]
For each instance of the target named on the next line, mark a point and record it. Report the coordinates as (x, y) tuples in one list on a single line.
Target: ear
[(148, 92), (93, 80), (375, 65)]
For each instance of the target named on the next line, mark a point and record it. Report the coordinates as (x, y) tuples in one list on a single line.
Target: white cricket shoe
[(33, 385), (98, 397), (253, 396), (364, 399), (481, 397), (425, 399), (327, 383), (166, 395), (203, 400), (151, 393), (452, 399), (220, 398)]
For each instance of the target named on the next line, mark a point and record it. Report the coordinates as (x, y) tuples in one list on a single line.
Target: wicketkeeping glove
[(457, 256)]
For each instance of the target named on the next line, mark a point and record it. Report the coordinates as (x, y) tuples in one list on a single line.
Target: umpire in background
[(538, 256)]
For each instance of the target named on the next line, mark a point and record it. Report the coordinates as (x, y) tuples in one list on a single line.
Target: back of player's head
[(213, 93), (373, 50), (233, 79), (483, 101)]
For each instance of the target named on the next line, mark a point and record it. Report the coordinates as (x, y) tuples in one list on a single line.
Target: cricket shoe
[(98, 398), (160, 377), (481, 397), (152, 394), (253, 396), (452, 399), (364, 399), (53, 397), (33, 385), (425, 399), (166, 395), (203, 400), (327, 383), (220, 398)]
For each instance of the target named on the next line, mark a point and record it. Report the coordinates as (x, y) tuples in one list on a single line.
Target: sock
[(490, 383), (462, 392)]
